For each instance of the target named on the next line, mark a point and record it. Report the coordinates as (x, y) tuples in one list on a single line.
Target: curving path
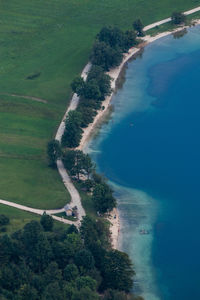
[(75, 196)]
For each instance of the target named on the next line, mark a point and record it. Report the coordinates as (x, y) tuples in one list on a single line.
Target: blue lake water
[(150, 152)]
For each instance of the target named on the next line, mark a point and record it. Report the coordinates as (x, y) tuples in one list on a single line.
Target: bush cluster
[(110, 45)]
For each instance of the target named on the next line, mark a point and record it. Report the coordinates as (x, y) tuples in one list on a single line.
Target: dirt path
[(27, 97), (75, 197)]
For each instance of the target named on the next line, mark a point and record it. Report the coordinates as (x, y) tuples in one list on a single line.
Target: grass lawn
[(18, 218), (44, 45)]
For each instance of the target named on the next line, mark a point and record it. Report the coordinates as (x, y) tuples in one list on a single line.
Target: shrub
[(178, 18), (4, 220)]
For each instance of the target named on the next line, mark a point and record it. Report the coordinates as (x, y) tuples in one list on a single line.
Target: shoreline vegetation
[(89, 131)]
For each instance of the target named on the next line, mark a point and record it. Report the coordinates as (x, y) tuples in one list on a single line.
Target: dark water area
[(150, 152)]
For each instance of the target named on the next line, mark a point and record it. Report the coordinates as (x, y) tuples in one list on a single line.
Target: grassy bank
[(44, 45)]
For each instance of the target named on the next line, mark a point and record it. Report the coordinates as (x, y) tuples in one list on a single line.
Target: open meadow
[(43, 46)]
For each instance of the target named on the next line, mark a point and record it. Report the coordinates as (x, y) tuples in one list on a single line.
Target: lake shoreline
[(90, 131)]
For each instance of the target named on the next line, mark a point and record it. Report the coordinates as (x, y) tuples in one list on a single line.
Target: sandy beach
[(113, 218)]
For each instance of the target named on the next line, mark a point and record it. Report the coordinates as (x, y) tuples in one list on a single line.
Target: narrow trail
[(39, 211), (75, 196), (27, 97)]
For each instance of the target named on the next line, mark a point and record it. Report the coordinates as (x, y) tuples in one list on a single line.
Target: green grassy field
[(18, 218), (44, 45)]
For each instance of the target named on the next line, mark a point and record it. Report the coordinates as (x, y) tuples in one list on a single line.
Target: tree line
[(107, 52), (43, 262)]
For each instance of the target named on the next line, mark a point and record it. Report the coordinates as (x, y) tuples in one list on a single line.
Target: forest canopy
[(44, 262)]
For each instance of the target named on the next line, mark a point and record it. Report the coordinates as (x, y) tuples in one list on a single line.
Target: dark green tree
[(73, 244), (4, 220), (69, 290), (6, 249), (72, 229), (27, 292), (92, 90), (89, 231), (52, 273), (47, 222), (69, 158), (178, 18), (73, 132), (86, 281), (103, 198), (40, 255), (31, 234), (102, 80), (84, 259), (70, 272), (129, 39), (78, 86), (117, 39), (88, 113), (105, 56), (112, 36), (72, 160), (138, 26), (54, 152), (77, 162), (53, 291), (87, 164), (10, 277), (117, 271)]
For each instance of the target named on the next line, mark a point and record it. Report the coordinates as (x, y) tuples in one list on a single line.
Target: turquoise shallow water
[(150, 152)]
